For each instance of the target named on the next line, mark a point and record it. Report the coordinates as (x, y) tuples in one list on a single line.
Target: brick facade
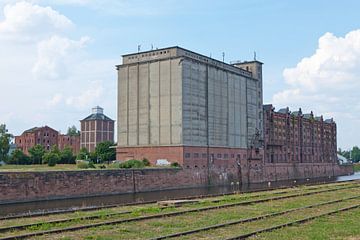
[(96, 128), (47, 137), (29, 186), (298, 138), (69, 141)]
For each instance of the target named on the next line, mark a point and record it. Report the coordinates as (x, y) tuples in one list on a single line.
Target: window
[(218, 155), (204, 155), (232, 155), (226, 156), (187, 155), (196, 155)]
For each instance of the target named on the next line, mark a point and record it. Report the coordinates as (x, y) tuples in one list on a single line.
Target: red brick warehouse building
[(96, 128), (47, 137), (294, 137)]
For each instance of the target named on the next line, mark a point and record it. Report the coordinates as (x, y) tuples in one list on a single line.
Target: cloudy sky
[(57, 57)]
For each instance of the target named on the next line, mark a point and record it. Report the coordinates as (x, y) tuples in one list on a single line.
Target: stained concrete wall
[(149, 104)]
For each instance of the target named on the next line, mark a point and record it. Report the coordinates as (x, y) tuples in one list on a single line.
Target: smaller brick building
[(71, 141), (96, 128), (294, 137), (47, 137)]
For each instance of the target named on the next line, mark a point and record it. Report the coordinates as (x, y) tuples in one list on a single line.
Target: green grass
[(343, 225), (38, 167), (156, 227), (357, 167)]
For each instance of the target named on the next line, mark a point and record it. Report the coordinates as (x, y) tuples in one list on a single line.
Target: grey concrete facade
[(175, 97)]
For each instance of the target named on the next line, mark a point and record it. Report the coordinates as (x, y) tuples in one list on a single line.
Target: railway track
[(94, 208), (142, 218), (287, 224), (252, 220), (19, 227)]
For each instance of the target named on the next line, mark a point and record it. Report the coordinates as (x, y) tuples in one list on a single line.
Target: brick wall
[(26, 186)]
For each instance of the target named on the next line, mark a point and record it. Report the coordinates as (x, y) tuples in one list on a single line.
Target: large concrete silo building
[(181, 106)]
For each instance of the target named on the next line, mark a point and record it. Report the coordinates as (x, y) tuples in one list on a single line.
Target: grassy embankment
[(324, 228)]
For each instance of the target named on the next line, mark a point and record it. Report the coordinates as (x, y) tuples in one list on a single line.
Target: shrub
[(50, 158), (82, 164), (132, 164), (51, 162), (91, 165), (146, 162), (85, 164), (175, 164)]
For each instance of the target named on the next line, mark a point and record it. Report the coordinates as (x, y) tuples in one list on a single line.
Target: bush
[(91, 165), (132, 164), (82, 164), (146, 162), (85, 164), (51, 162), (175, 164), (18, 157), (50, 158)]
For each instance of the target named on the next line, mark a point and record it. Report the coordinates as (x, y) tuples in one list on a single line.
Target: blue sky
[(57, 57)]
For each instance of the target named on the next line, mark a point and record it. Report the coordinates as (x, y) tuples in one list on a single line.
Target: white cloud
[(36, 46), (55, 56), (327, 82), (88, 97), (24, 21)]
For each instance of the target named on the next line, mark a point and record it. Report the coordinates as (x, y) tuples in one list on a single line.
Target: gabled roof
[(31, 130), (34, 129), (329, 120), (97, 116), (283, 110), (307, 115)]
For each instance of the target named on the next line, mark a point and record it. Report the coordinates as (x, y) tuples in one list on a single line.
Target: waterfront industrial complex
[(178, 105), (205, 116)]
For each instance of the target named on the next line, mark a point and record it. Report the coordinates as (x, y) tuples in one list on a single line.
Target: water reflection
[(75, 203)]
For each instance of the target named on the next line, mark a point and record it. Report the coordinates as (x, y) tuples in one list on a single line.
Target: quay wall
[(30, 186)]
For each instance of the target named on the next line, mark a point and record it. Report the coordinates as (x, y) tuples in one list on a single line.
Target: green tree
[(5, 139), (19, 158), (105, 151), (83, 154), (36, 154), (67, 156), (72, 131), (355, 154), (51, 158)]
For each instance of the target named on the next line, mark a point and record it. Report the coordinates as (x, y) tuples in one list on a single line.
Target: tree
[(67, 156), (51, 158), (72, 131), (105, 151), (5, 139), (18, 157), (36, 154), (83, 154), (355, 154)]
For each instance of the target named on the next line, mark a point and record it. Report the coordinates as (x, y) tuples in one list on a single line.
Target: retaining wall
[(28, 186)]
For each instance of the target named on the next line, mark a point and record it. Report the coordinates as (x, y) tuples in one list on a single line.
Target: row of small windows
[(218, 156), (149, 54)]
